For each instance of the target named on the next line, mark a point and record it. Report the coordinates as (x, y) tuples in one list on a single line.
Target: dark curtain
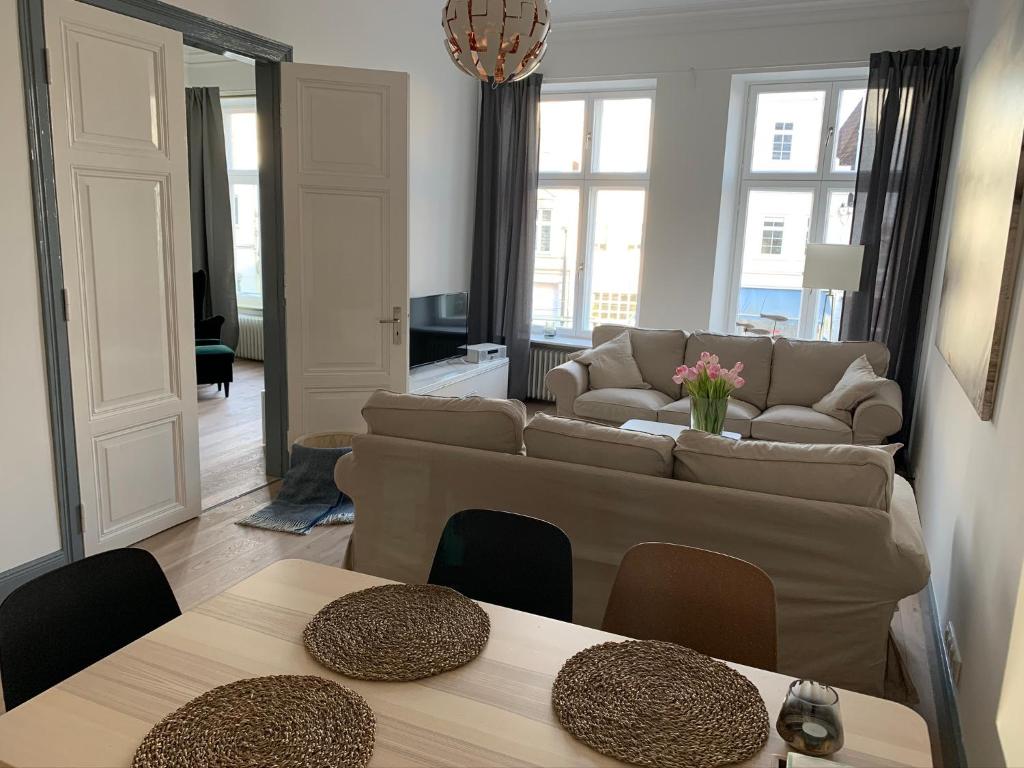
[(501, 287), (212, 242), (900, 183)]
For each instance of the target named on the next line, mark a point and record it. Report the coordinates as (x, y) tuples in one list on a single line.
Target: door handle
[(396, 321)]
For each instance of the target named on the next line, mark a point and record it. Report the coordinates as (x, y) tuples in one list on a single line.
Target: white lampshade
[(833, 267)]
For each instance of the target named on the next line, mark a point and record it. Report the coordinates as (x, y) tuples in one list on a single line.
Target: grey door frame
[(198, 32)]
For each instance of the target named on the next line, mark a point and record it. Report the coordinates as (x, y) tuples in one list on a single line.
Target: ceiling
[(590, 9)]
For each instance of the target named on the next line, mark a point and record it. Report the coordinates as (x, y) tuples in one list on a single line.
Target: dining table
[(494, 711)]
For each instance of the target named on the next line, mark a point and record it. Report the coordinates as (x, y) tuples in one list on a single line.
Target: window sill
[(540, 339)]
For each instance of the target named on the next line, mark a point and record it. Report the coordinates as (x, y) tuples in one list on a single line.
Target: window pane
[(561, 136), (242, 126), (615, 260), (839, 225), (623, 135), (787, 132), (775, 235), (846, 146), (245, 213), (554, 268)]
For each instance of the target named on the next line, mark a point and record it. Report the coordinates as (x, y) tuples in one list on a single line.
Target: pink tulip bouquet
[(710, 386)]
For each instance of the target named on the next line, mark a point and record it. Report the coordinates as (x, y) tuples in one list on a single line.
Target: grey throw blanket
[(308, 496)]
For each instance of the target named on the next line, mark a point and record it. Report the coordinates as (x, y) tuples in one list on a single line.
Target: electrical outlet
[(953, 656)]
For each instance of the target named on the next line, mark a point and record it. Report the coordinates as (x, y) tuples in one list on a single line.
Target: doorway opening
[(222, 126)]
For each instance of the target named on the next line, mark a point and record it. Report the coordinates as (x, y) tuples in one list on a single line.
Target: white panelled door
[(117, 101), (345, 135)]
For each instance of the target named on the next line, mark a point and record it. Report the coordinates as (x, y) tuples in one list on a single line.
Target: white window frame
[(589, 182), (821, 183), (231, 104)]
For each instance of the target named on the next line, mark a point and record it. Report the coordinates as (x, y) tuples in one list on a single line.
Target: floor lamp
[(832, 268)]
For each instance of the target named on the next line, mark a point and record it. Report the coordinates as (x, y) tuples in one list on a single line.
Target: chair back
[(715, 604), (506, 559), (63, 621)]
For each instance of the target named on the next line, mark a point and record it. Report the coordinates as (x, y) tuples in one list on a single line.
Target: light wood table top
[(494, 711)]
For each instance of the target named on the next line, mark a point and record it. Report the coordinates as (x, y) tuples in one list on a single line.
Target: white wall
[(397, 35), (970, 486), (208, 70), (28, 512), (694, 58)]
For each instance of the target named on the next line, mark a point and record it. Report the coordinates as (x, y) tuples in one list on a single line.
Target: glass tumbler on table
[(810, 721)]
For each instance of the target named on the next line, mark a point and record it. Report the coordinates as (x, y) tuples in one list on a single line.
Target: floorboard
[(231, 452)]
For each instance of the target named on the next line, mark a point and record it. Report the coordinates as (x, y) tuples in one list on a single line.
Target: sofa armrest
[(344, 473), (567, 382), (879, 417)]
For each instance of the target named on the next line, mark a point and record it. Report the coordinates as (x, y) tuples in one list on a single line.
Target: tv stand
[(457, 378)]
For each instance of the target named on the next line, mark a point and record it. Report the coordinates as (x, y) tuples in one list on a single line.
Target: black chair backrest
[(60, 623), (506, 559)]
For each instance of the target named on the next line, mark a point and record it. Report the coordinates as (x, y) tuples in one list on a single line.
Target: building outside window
[(782, 142), (244, 186), (591, 209), (802, 141)]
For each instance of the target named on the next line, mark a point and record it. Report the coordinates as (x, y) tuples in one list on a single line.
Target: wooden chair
[(715, 604), (509, 560)]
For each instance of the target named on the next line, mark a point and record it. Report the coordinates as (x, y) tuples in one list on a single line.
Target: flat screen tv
[(438, 326)]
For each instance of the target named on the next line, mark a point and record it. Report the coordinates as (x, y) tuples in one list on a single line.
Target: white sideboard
[(457, 378)]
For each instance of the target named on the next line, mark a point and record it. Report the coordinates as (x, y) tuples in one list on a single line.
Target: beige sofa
[(842, 548), (784, 379)]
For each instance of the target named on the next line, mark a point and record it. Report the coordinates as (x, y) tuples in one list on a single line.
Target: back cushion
[(595, 445), (755, 352), (803, 372), (846, 474), (469, 422), (657, 353)]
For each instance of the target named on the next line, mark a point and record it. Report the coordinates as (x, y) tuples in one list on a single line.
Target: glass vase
[(707, 414), (810, 721)]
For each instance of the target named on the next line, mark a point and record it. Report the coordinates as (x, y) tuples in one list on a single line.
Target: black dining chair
[(63, 621), (509, 560)]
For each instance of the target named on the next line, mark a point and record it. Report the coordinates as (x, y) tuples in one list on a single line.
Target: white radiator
[(250, 337), (542, 360)]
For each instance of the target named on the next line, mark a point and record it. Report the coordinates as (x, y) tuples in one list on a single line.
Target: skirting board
[(947, 712), (14, 578)]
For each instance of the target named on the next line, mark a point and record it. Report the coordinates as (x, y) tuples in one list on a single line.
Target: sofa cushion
[(612, 365), (595, 445), (803, 372), (469, 422), (617, 406), (859, 383), (755, 352), (845, 474), (657, 353), (738, 415), (796, 424)]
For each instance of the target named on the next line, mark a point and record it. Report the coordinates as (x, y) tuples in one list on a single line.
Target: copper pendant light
[(497, 41)]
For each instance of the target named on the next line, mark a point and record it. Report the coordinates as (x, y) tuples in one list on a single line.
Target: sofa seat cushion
[(845, 474), (597, 445), (738, 415), (468, 422), (617, 406), (755, 352), (796, 424), (803, 372), (658, 353)]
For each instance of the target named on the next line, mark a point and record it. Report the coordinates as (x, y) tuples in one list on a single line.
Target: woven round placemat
[(398, 632), (273, 722), (659, 704)]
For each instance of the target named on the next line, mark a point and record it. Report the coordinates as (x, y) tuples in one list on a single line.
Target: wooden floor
[(231, 455)]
